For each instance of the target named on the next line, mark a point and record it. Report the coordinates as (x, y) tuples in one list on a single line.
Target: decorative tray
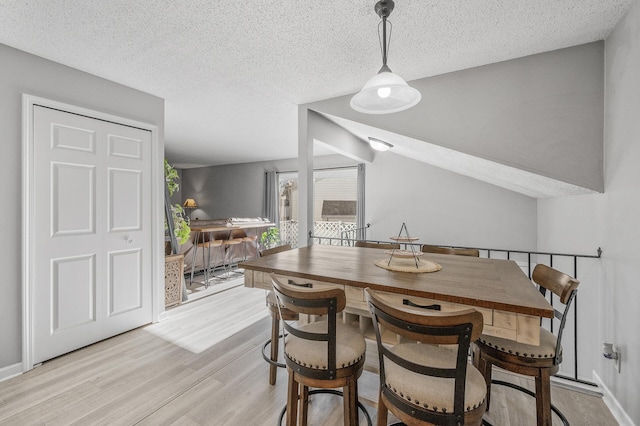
[(403, 253), (404, 239), (408, 265)]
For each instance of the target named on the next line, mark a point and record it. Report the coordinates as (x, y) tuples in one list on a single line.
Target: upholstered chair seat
[(272, 300), (547, 348), (429, 392), (350, 347)]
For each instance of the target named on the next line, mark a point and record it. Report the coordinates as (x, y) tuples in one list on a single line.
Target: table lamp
[(190, 204)]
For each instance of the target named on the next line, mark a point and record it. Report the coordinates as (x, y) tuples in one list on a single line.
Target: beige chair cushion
[(350, 346), (432, 393), (272, 300), (547, 348)]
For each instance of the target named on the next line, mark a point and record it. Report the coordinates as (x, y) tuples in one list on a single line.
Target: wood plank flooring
[(202, 366)]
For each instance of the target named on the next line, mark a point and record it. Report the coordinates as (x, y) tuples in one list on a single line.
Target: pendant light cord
[(384, 46)]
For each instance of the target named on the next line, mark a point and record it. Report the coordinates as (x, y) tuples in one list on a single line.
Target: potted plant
[(270, 238), (181, 228), (174, 285)]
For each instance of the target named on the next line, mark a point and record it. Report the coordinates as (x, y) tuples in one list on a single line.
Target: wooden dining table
[(510, 303)]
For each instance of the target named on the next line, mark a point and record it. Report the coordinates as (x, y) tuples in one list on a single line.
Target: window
[(334, 207)]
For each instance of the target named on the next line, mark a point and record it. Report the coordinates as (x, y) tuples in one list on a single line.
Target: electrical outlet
[(610, 351)]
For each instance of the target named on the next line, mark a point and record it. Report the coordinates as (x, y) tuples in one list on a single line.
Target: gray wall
[(24, 73), (441, 207), (438, 206), (610, 220), (541, 113), (238, 190)]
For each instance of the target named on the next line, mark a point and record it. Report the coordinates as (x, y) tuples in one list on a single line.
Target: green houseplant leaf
[(270, 238), (181, 228)]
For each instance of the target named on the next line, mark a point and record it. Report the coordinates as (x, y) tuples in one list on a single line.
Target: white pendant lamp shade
[(385, 93)]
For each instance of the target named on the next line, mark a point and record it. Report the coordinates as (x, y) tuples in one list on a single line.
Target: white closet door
[(92, 231)]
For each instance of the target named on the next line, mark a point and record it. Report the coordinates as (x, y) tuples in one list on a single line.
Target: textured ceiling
[(232, 74)]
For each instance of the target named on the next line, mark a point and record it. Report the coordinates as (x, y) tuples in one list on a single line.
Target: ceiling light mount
[(379, 145), (384, 8), (385, 92)]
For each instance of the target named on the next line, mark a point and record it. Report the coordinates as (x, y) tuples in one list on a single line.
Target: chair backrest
[(426, 248), (562, 285), (385, 246), (274, 250), (303, 300), (432, 327)]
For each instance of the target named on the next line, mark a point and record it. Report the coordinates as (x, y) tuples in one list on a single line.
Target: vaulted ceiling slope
[(233, 74), (533, 125)]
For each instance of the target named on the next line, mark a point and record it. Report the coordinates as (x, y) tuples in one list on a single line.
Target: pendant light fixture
[(379, 145), (385, 92)]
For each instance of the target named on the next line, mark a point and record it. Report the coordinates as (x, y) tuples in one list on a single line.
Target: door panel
[(72, 138), (91, 242), (125, 200), (120, 146), (125, 281), (73, 292), (72, 199)]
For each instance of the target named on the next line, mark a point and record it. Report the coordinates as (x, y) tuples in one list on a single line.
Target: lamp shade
[(385, 93), (190, 203)]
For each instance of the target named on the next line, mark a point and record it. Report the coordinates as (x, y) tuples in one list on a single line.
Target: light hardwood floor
[(202, 366)]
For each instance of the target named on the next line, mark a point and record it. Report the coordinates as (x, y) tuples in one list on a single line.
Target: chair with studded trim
[(426, 378), (278, 313), (540, 361), (383, 246), (427, 248), (326, 354)]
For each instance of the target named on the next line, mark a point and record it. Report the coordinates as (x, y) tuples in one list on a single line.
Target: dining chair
[(427, 248), (325, 354), (234, 239), (249, 241), (426, 378), (384, 246), (278, 313), (540, 361), (207, 242)]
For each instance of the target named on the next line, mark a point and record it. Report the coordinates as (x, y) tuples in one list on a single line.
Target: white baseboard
[(612, 403), (10, 371)]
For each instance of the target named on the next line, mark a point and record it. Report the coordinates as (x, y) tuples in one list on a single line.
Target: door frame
[(157, 211)]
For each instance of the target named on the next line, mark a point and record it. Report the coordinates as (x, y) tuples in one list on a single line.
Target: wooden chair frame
[(485, 356), (277, 315), (274, 250), (326, 302), (427, 248), (460, 328), (382, 246)]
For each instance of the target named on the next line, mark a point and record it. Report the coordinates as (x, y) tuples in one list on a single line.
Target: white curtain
[(361, 233), (270, 210)]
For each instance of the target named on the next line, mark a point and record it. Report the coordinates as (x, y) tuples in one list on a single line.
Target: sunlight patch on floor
[(197, 326), (196, 289)]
